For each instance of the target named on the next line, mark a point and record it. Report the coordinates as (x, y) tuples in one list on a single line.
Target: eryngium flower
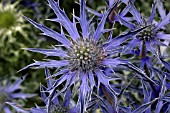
[(83, 58), (56, 106), (150, 37), (153, 37), (8, 94), (11, 22)]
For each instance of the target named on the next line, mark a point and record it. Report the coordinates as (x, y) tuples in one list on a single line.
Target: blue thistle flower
[(56, 106), (8, 94), (82, 58), (150, 37)]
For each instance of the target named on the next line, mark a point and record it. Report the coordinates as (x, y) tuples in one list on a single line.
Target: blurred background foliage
[(16, 33)]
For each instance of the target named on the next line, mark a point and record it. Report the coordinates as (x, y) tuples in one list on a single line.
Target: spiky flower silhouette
[(83, 57), (56, 106), (150, 39), (9, 93), (153, 36)]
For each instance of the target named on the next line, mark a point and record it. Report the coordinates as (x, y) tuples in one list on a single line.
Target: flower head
[(12, 27), (83, 58), (10, 20), (85, 55), (8, 94), (153, 35), (56, 105)]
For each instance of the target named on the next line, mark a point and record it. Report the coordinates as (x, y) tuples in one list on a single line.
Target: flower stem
[(143, 55), (143, 51), (108, 97)]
